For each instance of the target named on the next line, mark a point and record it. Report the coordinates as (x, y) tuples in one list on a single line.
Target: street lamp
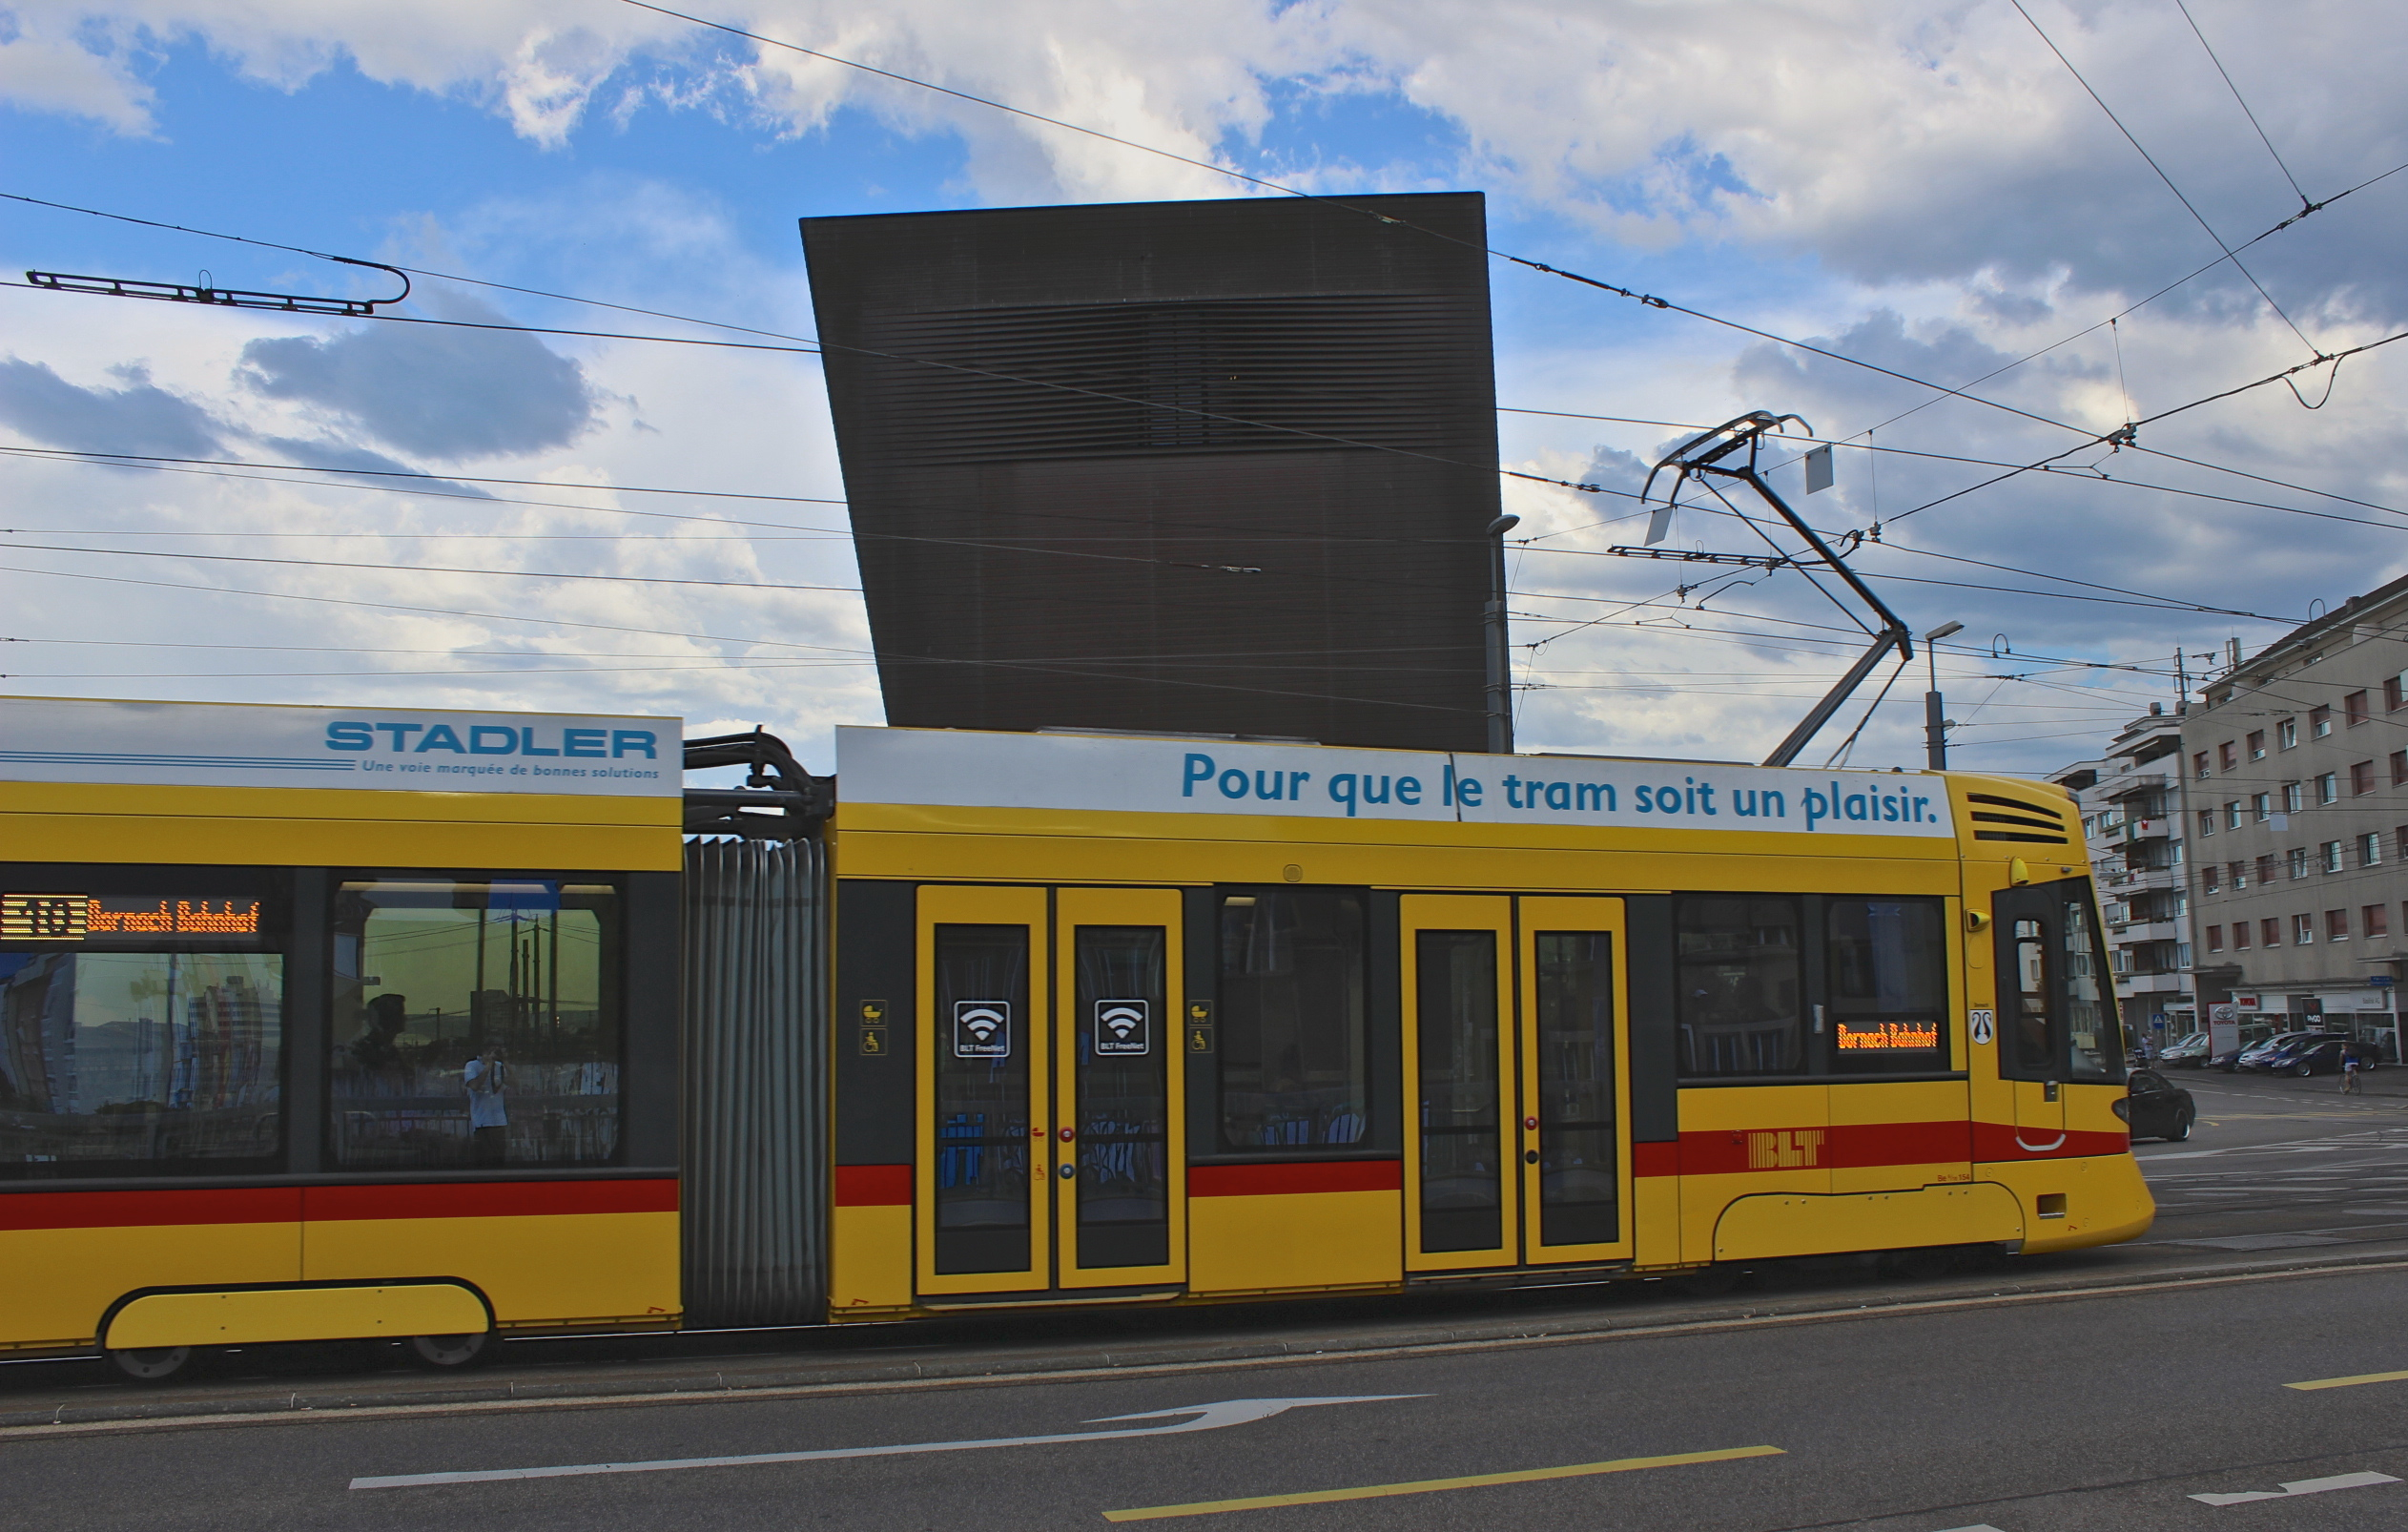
[(1500, 690), (1935, 727)]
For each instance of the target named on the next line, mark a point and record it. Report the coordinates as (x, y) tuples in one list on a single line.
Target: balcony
[(2135, 933), (2170, 982), (2124, 784), (2142, 880)]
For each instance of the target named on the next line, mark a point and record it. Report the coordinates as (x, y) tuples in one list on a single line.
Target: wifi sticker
[(981, 1029), (1125, 1028)]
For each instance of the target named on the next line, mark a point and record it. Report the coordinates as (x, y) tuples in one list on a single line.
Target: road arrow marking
[(1207, 1418), (2300, 1486)]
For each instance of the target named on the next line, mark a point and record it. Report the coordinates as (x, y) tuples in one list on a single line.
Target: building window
[(2399, 767), (2328, 856), (1294, 1058), (2287, 734), (2215, 939), (2225, 756), (2354, 708), (2177, 858), (2207, 822), (2182, 904), (2294, 796), (2233, 815), (2320, 722), (2240, 936), (2328, 788), (2182, 955), (2239, 871), (2336, 925), (2295, 862), (2362, 779), (2303, 930), (2400, 842), (2266, 868), (2370, 849), (2209, 874), (2395, 693), (475, 1024), (2199, 764), (2270, 931), (2257, 744), (2261, 806), (2374, 920)]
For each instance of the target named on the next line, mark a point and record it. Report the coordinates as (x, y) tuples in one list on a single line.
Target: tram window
[(475, 1024), (1889, 976), (141, 1029), (2058, 1010), (981, 1068), (1294, 1066), (1579, 1183), (1740, 995)]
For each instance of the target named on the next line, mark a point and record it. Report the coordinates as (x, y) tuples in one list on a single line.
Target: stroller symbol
[(1124, 1028)]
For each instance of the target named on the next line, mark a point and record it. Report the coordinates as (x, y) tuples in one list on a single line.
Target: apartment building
[(2296, 766), (2133, 820)]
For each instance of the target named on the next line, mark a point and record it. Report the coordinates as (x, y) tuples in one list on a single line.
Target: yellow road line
[(1426, 1487), (2348, 1382)]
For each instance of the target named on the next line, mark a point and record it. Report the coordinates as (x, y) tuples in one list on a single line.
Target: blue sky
[(1917, 184)]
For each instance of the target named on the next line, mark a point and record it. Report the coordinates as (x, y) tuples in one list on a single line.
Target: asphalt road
[(1984, 1400), (2069, 1413)]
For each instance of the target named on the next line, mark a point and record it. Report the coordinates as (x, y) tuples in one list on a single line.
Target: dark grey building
[(1178, 466)]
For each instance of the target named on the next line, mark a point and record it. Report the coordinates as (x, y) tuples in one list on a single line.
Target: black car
[(2326, 1055), (2157, 1108)]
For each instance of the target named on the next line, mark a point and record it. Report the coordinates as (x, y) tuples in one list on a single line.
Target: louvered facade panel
[(1191, 467)]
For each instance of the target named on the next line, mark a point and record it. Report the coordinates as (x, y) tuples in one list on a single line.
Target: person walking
[(2349, 1072)]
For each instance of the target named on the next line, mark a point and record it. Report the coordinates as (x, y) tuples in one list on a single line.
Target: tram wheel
[(444, 1352), (151, 1364)]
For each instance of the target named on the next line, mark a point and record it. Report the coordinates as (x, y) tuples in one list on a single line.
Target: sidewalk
[(2390, 1081)]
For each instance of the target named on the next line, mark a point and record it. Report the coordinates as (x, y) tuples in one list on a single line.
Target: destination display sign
[(78, 917), (962, 769), (1886, 1037), (193, 744)]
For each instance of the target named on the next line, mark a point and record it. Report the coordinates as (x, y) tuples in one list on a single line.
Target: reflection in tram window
[(2092, 1028), (1889, 984), (1462, 1180), (1740, 1011), (475, 1024), (121, 1062), (1124, 1087), (1579, 1183), (981, 1059), (2033, 1030), (1294, 1066)]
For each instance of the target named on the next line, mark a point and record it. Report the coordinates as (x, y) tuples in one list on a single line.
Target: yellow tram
[(439, 1027)]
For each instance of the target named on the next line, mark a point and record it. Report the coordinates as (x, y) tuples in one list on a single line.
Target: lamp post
[(1500, 687), (1935, 726)]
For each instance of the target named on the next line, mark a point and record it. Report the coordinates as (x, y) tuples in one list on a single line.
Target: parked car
[(2156, 1108), (2191, 1053), (2255, 1055), (2227, 1060), (2325, 1056), (2277, 1058)]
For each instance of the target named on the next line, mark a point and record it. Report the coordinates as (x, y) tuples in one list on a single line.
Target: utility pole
[(1500, 689), (1935, 722)]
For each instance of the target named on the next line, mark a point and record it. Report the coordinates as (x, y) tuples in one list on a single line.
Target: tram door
[(1050, 1125), (2030, 1020), (1517, 1064)]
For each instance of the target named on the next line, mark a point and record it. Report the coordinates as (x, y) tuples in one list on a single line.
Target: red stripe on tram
[(1290, 1179), (158, 1208), (874, 1185), (486, 1199)]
